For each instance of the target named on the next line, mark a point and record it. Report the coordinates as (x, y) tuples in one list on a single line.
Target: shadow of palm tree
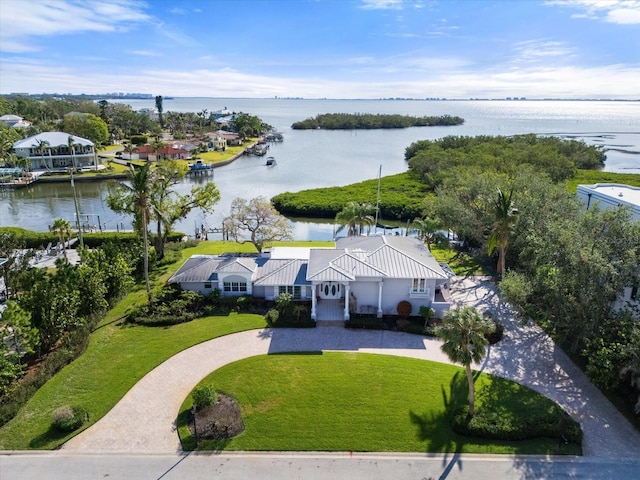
[(434, 427)]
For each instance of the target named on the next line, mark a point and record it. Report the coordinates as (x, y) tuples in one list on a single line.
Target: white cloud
[(624, 12), (534, 81), (145, 53), (21, 22), (541, 50), (382, 4)]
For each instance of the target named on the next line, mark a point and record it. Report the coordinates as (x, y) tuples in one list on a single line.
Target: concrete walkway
[(143, 421)]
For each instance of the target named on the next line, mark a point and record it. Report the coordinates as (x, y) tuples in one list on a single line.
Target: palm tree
[(72, 148), (41, 146), (135, 199), (355, 216), (463, 332), (505, 216), (63, 228), (427, 229)]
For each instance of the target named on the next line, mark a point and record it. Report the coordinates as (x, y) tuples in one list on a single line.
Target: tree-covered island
[(367, 121)]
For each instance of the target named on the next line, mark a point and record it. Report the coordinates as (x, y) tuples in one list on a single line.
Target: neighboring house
[(360, 275), (216, 142), (614, 195), (14, 121), (611, 195), (232, 139), (56, 154), (169, 152)]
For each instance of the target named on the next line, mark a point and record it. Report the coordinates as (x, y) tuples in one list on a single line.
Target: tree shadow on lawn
[(435, 428)]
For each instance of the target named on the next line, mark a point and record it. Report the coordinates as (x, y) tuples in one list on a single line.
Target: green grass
[(590, 177), (460, 262), (362, 402), (118, 356)]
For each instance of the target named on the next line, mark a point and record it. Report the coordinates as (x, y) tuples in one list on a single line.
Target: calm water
[(310, 159)]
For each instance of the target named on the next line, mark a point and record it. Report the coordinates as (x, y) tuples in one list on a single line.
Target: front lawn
[(362, 402)]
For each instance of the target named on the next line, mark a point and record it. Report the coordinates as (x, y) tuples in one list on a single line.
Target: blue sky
[(323, 48)]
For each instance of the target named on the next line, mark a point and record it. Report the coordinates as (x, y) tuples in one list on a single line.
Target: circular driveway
[(144, 419)]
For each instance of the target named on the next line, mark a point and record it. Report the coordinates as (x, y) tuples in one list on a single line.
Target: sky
[(323, 48)]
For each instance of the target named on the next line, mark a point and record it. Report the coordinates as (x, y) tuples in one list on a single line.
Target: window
[(207, 285), (294, 290), (235, 286), (419, 285)]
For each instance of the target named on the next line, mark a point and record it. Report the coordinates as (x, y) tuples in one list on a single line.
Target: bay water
[(318, 158)]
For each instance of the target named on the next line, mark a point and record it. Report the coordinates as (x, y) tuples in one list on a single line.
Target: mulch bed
[(220, 420)]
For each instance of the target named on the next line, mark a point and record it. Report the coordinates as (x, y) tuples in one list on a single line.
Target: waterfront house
[(50, 151), (368, 275), (169, 152)]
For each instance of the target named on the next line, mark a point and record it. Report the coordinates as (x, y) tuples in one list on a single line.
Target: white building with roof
[(611, 195), (52, 151), (368, 275), (615, 195)]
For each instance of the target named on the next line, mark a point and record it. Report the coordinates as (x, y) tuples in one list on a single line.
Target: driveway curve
[(143, 421)]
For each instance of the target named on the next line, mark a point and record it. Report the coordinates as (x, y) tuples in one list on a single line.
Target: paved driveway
[(143, 421)]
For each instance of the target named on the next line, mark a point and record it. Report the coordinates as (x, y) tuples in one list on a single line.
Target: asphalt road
[(309, 466)]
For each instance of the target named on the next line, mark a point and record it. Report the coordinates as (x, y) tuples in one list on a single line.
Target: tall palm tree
[(355, 217), (135, 199), (63, 229), (463, 332), (505, 216)]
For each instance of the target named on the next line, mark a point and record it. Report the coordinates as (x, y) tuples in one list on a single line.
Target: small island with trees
[(367, 121)]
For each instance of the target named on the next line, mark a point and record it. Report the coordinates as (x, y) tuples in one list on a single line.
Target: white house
[(615, 195), (360, 275), (50, 151), (611, 195)]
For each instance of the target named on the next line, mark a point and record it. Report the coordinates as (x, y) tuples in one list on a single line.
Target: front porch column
[(313, 302), (379, 313), (347, 294)]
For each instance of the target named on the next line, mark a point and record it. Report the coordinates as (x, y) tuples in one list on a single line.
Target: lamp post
[(75, 202)]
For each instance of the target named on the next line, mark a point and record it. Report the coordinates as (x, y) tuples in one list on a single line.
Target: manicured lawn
[(362, 402)]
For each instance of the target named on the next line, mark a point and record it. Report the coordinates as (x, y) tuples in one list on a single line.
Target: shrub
[(203, 396), (272, 317), (498, 331), (499, 426), (69, 418)]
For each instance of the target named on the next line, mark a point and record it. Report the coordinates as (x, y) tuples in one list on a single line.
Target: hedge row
[(493, 425)]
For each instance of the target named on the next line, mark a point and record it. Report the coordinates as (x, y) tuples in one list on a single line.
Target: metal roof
[(198, 268), (53, 139), (282, 272)]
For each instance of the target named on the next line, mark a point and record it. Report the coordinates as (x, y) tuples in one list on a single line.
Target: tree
[(160, 109), (135, 199), (259, 220), (168, 206), (14, 251), (87, 126), (505, 216), (463, 332), (17, 330), (41, 146), (427, 229), (63, 229), (355, 216)]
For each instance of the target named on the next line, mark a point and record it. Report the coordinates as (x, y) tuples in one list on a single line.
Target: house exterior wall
[(235, 277), (200, 287), (366, 294), (396, 290)]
